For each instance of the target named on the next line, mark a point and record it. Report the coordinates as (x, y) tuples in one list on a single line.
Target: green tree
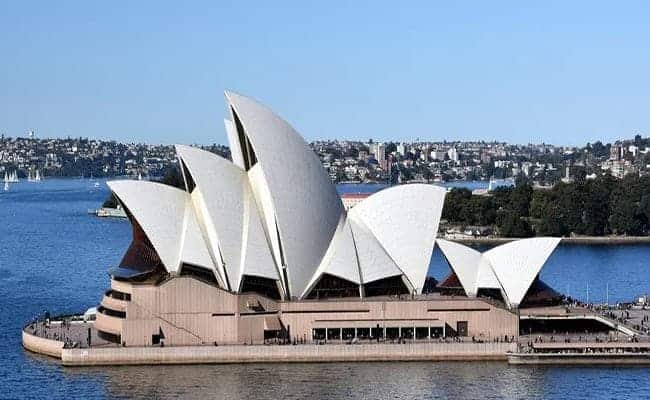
[(510, 224)]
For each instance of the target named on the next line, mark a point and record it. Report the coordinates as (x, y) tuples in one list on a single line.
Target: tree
[(173, 178), (520, 198), (510, 224)]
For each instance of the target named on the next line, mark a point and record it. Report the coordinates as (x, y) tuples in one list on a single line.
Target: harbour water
[(53, 256)]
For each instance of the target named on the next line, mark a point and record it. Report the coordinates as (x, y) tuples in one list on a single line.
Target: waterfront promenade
[(67, 339), (69, 344)]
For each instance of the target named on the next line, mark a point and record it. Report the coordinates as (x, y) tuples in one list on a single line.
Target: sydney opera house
[(257, 249)]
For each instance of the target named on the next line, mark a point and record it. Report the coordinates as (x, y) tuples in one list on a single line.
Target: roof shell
[(160, 211), (306, 205), (405, 220), (516, 264), (374, 261), (465, 262), (229, 215)]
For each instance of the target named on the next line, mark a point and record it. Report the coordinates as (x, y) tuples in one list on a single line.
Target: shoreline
[(591, 240)]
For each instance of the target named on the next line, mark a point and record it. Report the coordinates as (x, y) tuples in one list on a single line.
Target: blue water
[(53, 256), (374, 187)]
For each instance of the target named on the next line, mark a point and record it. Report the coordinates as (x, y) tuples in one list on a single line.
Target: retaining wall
[(48, 347), (287, 353)]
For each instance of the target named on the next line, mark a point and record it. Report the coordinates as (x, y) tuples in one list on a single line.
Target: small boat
[(6, 186), (11, 178), (34, 176)]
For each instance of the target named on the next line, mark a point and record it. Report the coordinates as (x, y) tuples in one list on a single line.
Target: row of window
[(112, 293), (111, 313), (405, 332)]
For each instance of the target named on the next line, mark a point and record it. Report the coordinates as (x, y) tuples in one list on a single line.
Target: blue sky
[(563, 72)]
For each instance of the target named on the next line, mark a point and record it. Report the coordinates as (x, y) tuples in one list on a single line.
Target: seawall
[(40, 345), (287, 353), (267, 353), (578, 359)]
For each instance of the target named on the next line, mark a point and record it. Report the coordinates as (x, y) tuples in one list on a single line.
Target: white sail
[(13, 177)]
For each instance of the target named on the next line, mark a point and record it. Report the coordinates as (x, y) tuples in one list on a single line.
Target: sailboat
[(34, 176), (12, 178), (6, 186)]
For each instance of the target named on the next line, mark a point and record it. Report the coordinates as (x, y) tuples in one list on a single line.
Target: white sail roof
[(256, 255), (340, 259), (405, 220), (374, 261), (306, 206), (274, 213), (486, 278), (160, 211), (195, 248), (511, 267), (465, 262), (516, 264), (229, 215)]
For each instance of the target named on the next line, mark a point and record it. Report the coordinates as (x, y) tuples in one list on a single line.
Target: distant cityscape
[(346, 161)]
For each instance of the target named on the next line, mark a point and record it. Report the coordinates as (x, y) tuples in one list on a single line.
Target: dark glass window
[(199, 273), (392, 333), (377, 333), (421, 332), (386, 287), (250, 159), (330, 286), (363, 333), (188, 177), (348, 333), (333, 333), (318, 333), (407, 332), (264, 286)]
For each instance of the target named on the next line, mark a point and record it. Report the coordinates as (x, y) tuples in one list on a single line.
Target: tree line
[(595, 207)]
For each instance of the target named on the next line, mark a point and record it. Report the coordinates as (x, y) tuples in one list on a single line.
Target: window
[(332, 286), (250, 159), (334, 333), (264, 286), (386, 287), (348, 333), (436, 331), (407, 332), (199, 273), (377, 333), (461, 328), (421, 332), (392, 333), (188, 177), (109, 337), (318, 333), (111, 313), (363, 333)]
